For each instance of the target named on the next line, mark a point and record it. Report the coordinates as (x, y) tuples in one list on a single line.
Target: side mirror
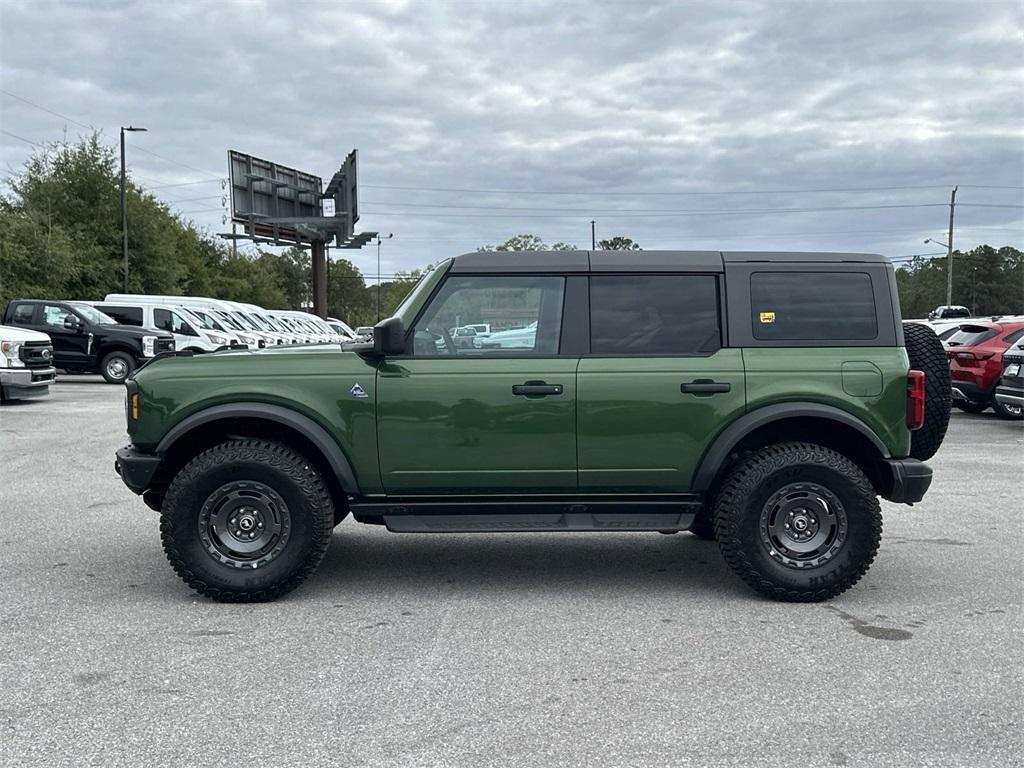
[(72, 323), (389, 337)]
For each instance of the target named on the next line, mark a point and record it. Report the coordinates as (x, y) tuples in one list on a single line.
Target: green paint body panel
[(817, 375), (314, 381), (638, 433), (453, 425)]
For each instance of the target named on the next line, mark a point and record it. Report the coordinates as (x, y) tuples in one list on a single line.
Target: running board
[(482, 516)]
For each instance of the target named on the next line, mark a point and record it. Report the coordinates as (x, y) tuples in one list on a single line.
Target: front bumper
[(27, 382), (910, 480), (135, 467)]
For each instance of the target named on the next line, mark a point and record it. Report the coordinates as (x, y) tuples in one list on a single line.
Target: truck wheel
[(1010, 412), (798, 522), (117, 366), (926, 354), (246, 521)]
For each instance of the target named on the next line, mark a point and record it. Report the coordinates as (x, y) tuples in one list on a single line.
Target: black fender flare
[(301, 423), (727, 440)]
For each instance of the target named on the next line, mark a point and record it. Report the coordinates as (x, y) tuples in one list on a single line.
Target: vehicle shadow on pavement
[(643, 562)]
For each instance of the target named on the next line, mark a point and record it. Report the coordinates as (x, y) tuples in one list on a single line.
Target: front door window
[(523, 315)]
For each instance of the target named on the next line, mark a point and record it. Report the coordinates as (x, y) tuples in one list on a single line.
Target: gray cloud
[(612, 98)]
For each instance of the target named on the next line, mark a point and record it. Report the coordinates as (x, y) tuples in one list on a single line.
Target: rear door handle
[(536, 389), (705, 387)]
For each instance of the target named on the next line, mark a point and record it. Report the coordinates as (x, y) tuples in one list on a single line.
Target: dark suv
[(763, 399), (87, 341)]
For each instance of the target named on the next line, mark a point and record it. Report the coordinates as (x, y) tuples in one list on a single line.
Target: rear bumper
[(970, 391), (910, 480), (135, 467)]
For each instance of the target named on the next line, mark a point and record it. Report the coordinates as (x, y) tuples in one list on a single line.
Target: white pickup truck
[(26, 363)]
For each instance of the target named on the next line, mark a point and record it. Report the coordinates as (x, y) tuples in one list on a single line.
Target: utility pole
[(949, 250), (390, 235), (593, 237), (124, 206)]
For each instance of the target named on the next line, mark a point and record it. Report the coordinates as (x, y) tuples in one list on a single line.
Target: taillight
[(973, 355), (915, 400)]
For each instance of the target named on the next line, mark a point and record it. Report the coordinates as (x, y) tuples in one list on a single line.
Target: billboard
[(262, 191)]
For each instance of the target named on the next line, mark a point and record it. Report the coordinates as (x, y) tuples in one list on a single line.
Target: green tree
[(987, 280), (618, 243), (348, 297)]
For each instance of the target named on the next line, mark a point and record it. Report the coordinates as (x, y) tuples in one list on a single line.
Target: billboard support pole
[(319, 254)]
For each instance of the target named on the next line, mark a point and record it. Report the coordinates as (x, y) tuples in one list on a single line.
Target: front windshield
[(195, 318), (255, 321), (274, 324), (232, 322), (93, 315)]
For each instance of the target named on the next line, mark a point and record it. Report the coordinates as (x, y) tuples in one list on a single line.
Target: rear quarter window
[(813, 306), (22, 314)]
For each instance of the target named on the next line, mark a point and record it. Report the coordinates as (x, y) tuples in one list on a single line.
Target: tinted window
[(524, 313), (123, 315), (969, 335), (22, 314), (802, 306), (166, 320), (654, 315), (54, 316), (1015, 336)]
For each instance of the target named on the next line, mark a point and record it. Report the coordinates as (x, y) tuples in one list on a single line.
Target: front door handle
[(705, 387), (536, 389)]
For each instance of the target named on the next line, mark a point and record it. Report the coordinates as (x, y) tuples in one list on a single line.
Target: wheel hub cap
[(803, 525), (244, 524)]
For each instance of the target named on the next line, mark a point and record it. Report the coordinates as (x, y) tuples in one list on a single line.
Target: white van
[(188, 330), (220, 315)]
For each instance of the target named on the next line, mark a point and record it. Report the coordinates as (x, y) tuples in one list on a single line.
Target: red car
[(975, 355)]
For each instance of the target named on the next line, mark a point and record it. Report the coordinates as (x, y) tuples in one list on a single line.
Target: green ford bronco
[(765, 400)]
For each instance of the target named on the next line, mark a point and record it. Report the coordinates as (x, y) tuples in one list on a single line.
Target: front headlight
[(11, 350), (217, 339), (147, 345)]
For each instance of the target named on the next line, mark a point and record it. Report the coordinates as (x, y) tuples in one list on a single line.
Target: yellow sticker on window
[(767, 317)]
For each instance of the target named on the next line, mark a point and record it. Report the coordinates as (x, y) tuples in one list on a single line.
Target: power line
[(20, 138), (663, 213), (507, 191), (136, 147), (44, 109)]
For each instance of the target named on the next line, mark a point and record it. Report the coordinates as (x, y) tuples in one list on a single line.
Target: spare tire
[(926, 354)]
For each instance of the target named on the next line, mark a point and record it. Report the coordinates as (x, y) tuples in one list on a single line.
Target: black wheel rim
[(803, 525), (244, 524)]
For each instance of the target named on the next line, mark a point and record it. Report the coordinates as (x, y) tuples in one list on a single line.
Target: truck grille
[(36, 354)]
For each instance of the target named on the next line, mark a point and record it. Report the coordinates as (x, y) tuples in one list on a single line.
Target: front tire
[(798, 522), (1008, 412), (246, 521), (117, 366)]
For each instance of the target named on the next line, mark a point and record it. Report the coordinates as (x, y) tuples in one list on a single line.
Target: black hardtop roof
[(643, 261)]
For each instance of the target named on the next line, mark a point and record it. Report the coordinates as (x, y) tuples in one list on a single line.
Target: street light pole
[(949, 251), (124, 206)]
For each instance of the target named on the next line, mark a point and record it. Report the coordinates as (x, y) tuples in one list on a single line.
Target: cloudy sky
[(746, 125)]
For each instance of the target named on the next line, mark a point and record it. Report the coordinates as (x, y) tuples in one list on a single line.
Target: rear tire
[(246, 521), (927, 354), (117, 366), (798, 522)]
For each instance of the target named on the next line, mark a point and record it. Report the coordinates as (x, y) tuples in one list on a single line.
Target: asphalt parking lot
[(480, 650)]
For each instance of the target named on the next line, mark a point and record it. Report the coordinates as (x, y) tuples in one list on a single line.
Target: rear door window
[(654, 315), (123, 315), (812, 306), (22, 314), (969, 335)]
